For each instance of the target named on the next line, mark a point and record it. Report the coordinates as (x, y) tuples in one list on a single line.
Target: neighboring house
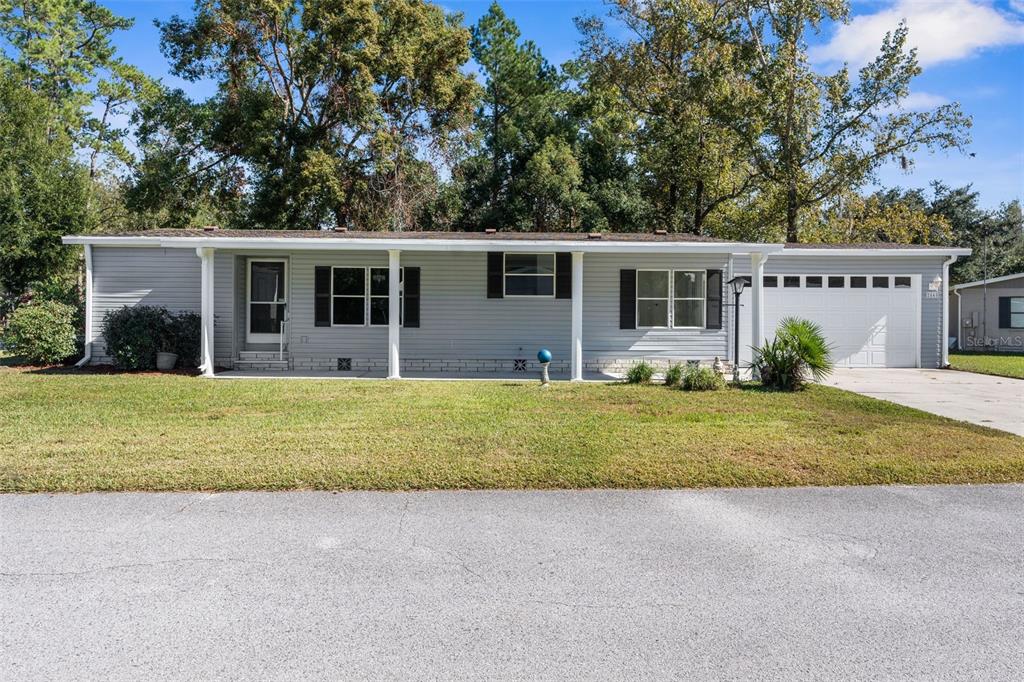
[(433, 302), (988, 314)]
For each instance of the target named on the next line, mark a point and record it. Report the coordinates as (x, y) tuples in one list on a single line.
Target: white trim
[(384, 244), (576, 361), (553, 275), (944, 353), (206, 301), (250, 337), (87, 339), (992, 280), (394, 315), (885, 253)]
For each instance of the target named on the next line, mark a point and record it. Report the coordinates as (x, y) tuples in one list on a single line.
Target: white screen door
[(267, 287)]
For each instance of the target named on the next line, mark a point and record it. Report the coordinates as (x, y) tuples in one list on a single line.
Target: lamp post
[(736, 284)]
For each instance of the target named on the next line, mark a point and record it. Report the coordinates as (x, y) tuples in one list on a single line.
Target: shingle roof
[(469, 236)]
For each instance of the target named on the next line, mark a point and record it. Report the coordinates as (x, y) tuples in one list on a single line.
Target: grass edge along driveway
[(81, 432), (1010, 365)]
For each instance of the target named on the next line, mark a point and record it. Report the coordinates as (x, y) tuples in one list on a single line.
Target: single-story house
[(988, 314), (408, 303)]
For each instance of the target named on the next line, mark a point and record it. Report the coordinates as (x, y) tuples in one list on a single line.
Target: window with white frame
[(1017, 312), (359, 294), (529, 274), (688, 292), (348, 297), (671, 298), (652, 298), (379, 288)]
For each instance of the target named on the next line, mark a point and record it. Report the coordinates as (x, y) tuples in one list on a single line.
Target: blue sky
[(972, 51)]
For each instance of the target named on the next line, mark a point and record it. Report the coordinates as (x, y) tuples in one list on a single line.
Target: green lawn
[(1001, 364), (75, 432)]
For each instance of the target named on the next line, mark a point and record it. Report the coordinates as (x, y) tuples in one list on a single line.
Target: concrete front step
[(274, 365), (261, 356)]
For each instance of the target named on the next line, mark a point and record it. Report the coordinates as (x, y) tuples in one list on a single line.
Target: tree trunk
[(792, 236), (698, 205)]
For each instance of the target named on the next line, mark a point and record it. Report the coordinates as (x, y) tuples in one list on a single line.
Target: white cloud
[(922, 101), (941, 30)]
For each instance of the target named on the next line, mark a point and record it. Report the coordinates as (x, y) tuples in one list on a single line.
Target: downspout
[(87, 340), (944, 363), (959, 321)]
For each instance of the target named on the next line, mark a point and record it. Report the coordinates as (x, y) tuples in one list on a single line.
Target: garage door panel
[(870, 327)]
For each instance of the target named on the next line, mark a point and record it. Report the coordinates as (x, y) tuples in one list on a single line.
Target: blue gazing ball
[(544, 355)]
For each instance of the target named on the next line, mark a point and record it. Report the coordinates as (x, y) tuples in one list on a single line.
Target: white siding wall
[(932, 334)]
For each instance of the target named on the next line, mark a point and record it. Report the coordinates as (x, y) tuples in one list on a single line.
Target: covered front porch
[(437, 310)]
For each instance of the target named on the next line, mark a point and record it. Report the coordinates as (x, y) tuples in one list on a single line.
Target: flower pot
[(165, 361)]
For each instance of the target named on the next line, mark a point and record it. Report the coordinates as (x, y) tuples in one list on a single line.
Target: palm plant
[(798, 352)]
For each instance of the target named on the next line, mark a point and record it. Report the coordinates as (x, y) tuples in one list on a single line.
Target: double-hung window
[(1016, 312), (529, 274), (671, 298), (358, 294), (379, 288), (348, 297), (688, 291)]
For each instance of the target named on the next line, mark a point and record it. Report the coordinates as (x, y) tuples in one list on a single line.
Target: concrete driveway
[(852, 583), (991, 401)]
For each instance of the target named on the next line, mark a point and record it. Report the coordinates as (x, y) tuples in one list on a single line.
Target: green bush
[(640, 373), (702, 379), (43, 333), (798, 352), (62, 289), (183, 337), (135, 334), (673, 375)]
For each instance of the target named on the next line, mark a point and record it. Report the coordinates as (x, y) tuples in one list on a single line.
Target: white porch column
[(577, 316), (756, 300), (207, 309), (394, 308)]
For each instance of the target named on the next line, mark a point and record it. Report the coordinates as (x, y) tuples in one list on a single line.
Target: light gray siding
[(932, 334), (985, 332), (141, 276)]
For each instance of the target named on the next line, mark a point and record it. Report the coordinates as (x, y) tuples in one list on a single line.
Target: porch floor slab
[(416, 376)]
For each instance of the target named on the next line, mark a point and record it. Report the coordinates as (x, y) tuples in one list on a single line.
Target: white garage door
[(870, 320)]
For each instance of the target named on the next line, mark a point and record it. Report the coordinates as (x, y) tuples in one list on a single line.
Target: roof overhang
[(881, 253), (991, 280), (382, 244)]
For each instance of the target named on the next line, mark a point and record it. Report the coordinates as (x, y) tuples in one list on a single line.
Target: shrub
[(640, 373), (183, 337), (702, 379), (798, 352), (62, 289), (673, 375), (135, 334), (44, 332)]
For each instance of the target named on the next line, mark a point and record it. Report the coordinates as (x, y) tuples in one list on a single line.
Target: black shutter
[(1004, 312), (713, 302), (495, 266), (627, 299), (322, 296), (563, 275), (411, 314)]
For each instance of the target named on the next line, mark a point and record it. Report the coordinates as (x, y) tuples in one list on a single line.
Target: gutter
[(87, 341)]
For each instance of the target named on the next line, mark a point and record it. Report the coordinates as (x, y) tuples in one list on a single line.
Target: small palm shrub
[(702, 379), (798, 353), (673, 375), (43, 333), (640, 373)]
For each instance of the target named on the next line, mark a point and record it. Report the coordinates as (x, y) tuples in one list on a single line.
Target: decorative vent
[(344, 364), (519, 365)]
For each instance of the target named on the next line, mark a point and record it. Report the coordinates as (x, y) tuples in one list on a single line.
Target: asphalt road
[(864, 583)]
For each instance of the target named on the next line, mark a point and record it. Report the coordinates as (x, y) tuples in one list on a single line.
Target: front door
[(267, 299)]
